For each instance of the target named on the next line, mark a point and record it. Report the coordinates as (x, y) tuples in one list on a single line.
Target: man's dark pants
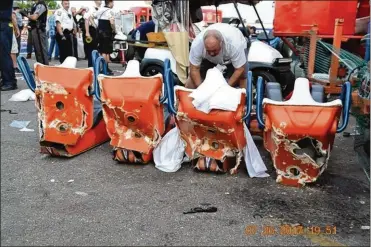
[(6, 63), (40, 44), (65, 46)]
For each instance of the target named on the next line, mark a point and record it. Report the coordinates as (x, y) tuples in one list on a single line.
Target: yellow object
[(88, 40), (178, 43), (156, 37), (10, 24)]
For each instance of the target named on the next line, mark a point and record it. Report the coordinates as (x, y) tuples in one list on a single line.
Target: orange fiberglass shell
[(218, 134), (65, 111), (293, 18), (133, 114), (300, 135)]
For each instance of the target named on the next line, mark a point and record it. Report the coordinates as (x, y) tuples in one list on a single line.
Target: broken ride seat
[(215, 139), (299, 133), (70, 123), (133, 110)]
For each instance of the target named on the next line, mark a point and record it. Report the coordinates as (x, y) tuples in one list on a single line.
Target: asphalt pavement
[(92, 200)]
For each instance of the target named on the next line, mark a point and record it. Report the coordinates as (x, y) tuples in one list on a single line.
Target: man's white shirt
[(65, 18), (233, 47)]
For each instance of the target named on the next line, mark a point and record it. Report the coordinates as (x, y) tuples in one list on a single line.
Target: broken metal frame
[(332, 86)]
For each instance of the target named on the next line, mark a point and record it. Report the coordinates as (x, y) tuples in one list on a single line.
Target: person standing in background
[(81, 25), (29, 41), (19, 24), (74, 14), (106, 30), (91, 28), (38, 18), (51, 30), (8, 80), (64, 29), (15, 48)]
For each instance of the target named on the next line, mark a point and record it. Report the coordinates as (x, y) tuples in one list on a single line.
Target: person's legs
[(29, 44), (61, 44), (19, 44), (93, 45), (56, 54), (8, 79), (51, 47), (75, 53), (13, 53), (38, 46)]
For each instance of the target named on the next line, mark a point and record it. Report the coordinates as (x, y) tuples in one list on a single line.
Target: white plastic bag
[(254, 163), (23, 95), (169, 154)]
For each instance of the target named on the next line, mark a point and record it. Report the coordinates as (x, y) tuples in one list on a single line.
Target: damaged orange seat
[(69, 124), (133, 111), (300, 133), (216, 135)]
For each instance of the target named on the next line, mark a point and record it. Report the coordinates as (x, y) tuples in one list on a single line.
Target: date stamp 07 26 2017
[(289, 230)]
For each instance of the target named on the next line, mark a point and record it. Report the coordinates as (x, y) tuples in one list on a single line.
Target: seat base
[(127, 156), (131, 157), (92, 138), (206, 164)]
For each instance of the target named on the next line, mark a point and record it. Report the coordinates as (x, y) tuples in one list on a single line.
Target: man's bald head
[(213, 40)]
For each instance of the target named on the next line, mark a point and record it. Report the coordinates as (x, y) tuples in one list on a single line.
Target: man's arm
[(15, 25), (195, 74), (236, 76), (195, 59), (39, 10), (239, 61), (112, 20)]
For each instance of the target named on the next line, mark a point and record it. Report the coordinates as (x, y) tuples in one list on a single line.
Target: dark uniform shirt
[(145, 28), (6, 8)]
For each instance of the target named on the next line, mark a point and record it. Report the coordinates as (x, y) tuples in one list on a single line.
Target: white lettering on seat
[(302, 97)]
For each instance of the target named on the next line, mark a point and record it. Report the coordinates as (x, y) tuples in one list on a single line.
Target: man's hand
[(236, 76), (17, 33)]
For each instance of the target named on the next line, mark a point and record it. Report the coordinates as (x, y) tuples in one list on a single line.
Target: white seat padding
[(69, 62), (302, 97), (133, 71)]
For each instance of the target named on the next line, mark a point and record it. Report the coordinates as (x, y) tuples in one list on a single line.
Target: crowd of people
[(56, 36), (97, 28)]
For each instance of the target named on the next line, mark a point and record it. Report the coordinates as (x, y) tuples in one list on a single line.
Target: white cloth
[(254, 163), (65, 18), (233, 47), (169, 153), (215, 93), (14, 45)]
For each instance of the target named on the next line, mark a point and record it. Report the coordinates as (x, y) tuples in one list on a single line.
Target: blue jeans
[(53, 43), (6, 63)]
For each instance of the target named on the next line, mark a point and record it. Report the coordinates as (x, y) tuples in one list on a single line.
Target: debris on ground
[(23, 95), (201, 210), (19, 124), (81, 193)]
